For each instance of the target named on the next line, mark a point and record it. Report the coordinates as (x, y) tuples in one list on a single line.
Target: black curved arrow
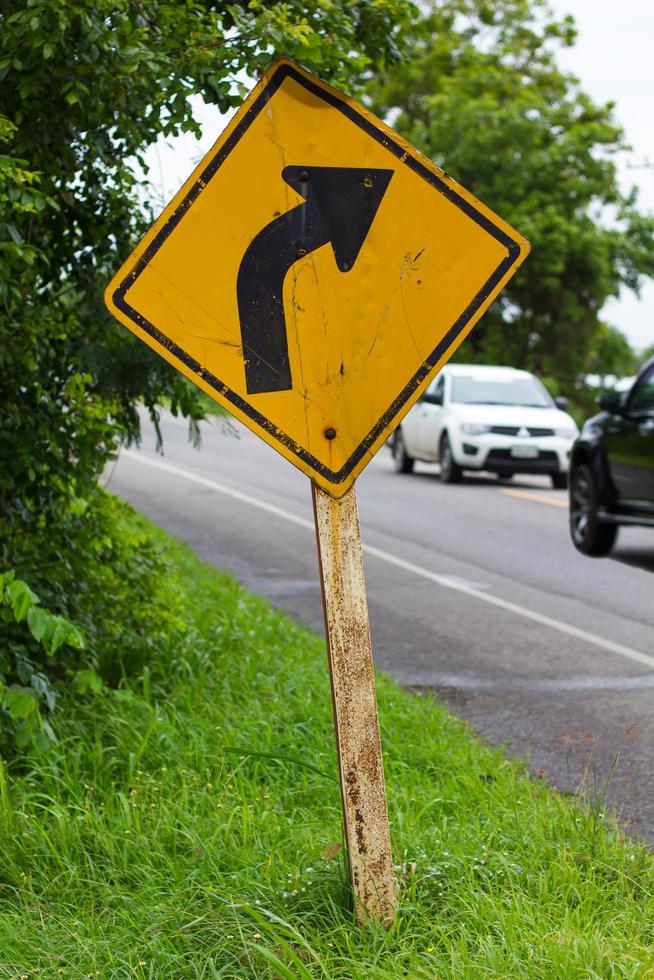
[(339, 207)]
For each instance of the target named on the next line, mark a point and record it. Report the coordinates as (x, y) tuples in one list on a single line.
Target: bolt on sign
[(312, 276)]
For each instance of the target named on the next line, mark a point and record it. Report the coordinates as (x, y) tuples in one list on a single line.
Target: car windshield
[(526, 392)]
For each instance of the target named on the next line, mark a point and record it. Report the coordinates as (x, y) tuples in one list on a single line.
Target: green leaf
[(38, 621), (88, 681), (15, 234), (64, 633), (5, 579), (78, 506), (21, 598), (20, 702)]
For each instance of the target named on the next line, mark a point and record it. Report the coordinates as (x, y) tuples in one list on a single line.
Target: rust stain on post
[(355, 704)]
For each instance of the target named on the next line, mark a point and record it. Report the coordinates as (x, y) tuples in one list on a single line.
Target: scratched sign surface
[(314, 273)]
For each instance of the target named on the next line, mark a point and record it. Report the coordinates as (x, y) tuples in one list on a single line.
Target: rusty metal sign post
[(347, 629), (312, 276)]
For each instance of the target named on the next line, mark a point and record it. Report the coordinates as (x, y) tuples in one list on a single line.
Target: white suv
[(496, 419)]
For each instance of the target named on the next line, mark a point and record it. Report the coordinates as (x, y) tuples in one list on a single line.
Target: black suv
[(612, 467)]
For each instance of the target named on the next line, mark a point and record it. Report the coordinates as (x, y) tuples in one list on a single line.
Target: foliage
[(187, 826), (610, 353), (115, 609), (647, 354), (482, 95), (86, 86), (610, 358), (22, 702)]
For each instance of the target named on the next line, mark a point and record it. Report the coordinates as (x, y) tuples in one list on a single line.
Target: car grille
[(501, 459), (513, 430)]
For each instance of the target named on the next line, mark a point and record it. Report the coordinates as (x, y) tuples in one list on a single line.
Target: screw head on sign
[(330, 433)]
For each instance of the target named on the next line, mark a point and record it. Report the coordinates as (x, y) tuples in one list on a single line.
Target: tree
[(483, 97), (86, 86), (610, 355)]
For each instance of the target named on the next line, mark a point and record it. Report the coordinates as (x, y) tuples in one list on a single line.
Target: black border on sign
[(513, 252)]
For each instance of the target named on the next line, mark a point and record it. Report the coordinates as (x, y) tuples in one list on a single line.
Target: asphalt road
[(474, 591)]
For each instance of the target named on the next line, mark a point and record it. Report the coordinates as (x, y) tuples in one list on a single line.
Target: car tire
[(589, 534), (402, 461), (505, 477), (451, 472), (560, 481)]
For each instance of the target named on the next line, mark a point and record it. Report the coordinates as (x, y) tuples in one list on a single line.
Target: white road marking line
[(538, 498), (446, 581), (458, 580), (547, 685)]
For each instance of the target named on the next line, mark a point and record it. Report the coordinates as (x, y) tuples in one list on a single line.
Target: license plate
[(524, 452)]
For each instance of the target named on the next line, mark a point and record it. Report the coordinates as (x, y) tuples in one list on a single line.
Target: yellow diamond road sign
[(314, 273)]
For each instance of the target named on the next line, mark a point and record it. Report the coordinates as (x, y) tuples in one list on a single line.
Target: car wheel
[(505, 477), (560, 481), (451, 472), (589, 534), (403, 462)]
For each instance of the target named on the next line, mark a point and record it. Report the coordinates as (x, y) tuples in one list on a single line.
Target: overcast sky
[(613, 60)]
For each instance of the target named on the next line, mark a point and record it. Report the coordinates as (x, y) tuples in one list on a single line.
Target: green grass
[(179, 827)]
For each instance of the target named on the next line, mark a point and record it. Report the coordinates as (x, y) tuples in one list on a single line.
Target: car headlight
[(474, 428), (568, 433)]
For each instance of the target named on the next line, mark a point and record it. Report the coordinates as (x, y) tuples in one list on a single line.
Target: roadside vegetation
[(482, 94), (187, 824), (168, 799), (86, 88)]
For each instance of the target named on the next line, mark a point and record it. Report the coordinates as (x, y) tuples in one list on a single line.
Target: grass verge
[(182, 828)]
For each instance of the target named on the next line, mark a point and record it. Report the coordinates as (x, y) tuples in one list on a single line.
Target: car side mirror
[(561, 402), (433, 398), (612, 401)]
